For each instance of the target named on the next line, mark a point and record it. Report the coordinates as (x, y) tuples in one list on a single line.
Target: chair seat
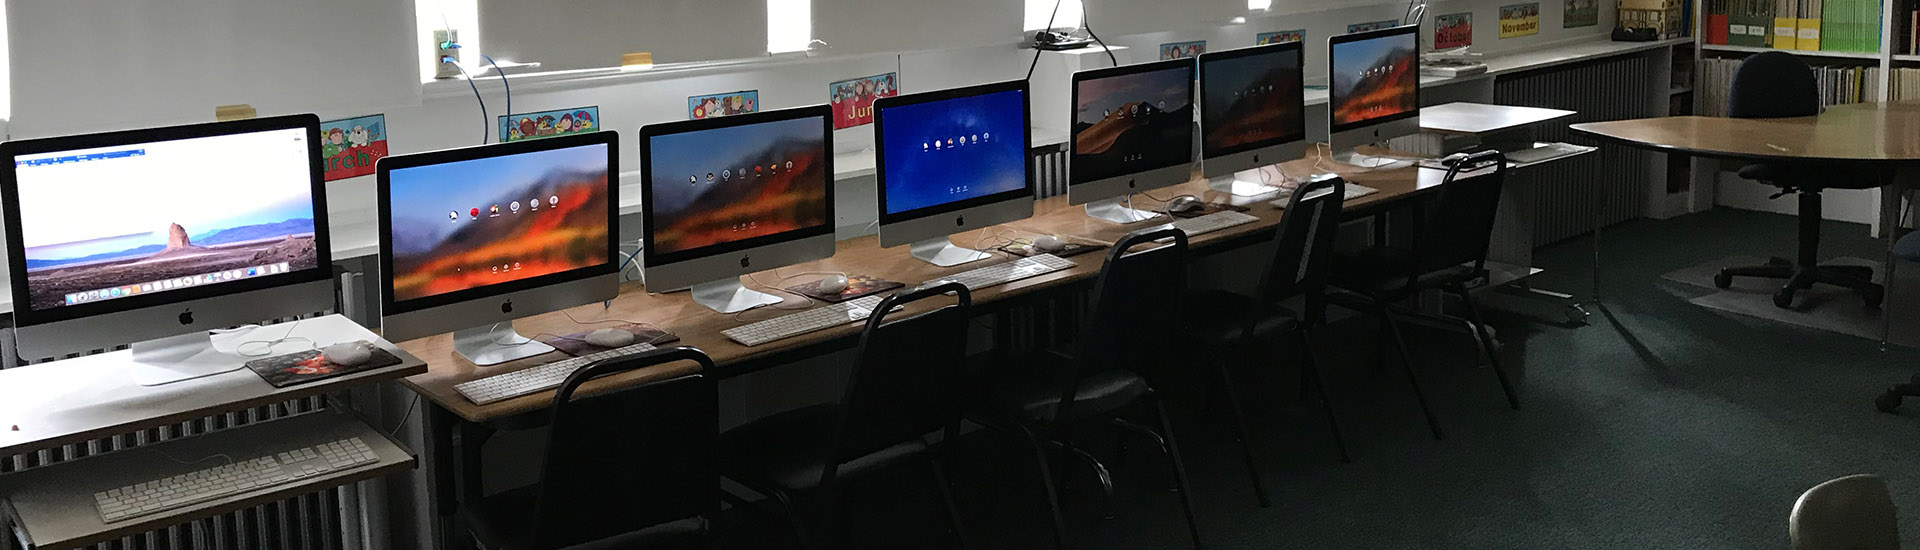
[(1809, 175), (502, 522), (1033, 395), (1381, 272), (786, 451), (1219, 317), (1908, 247)]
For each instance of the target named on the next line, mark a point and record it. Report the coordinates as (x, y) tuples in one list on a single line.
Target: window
[(789, 25), (1064, 13)]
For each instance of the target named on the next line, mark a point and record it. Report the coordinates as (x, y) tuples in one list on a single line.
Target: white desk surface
[(74, 400), (1479, 118), (55, 504)]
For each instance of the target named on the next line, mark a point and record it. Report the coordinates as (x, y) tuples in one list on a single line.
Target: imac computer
[(952, 161), (1375, 91), (725, 197), (152, 237), (1252, 114), (1132, 132), (473, 238)]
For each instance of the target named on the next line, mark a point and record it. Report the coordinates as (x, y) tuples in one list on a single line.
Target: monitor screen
[(1133, 121), (1251, 101), (1374, 78), (953, 150), (735, 183), (108, 223), (491, 220)]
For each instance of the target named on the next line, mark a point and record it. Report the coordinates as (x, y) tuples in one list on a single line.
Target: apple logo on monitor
[(745, 261), (506, 307), (960, 221), (186, 317)]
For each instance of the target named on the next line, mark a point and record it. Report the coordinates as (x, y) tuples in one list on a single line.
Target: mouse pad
[(857, 286), (1209, 208), (306, 366), (576, 344), (1072, 249)]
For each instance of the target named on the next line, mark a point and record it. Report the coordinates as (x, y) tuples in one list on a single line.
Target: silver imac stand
[(941, 251), (177, 358), (1115, 211), (728, 296), (1245, 183), (491, 345)]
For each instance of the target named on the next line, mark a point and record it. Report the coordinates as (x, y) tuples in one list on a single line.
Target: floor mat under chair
[(1823, 307)]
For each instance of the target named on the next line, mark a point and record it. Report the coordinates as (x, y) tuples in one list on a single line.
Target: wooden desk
[(700, 327), (455, 463), (1871, 134), (1882, 137)]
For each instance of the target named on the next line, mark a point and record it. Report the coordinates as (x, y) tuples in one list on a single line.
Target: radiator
[(1049, 170), (1566, 190), (314, 521)]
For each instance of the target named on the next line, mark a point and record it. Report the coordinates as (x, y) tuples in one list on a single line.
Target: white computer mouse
[(346, 354), (609, 338), (833, 284), (1049, 244)]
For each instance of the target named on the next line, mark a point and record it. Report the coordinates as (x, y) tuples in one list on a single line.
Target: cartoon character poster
[(1581, 13), (559, 122), (852, 100), (719, 105), (1373, 26), (350, 146), (1282, 37), (1519, 20), (1182, 50), (1453, 30)]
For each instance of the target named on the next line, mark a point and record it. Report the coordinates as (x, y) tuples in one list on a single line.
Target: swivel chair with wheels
[(1779, 85)]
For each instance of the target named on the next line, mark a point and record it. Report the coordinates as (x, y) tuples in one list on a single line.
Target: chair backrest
[(908, 380), (1458, 226), (628, 459), (1850, 513), (1773, 85), (1300, 253), (1135, 307)]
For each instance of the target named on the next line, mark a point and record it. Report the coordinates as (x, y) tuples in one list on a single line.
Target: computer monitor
[(724, 197), (1132, 132), (1252, 114), (152, 237), (952, 161), (1375, 90), (473, 238)]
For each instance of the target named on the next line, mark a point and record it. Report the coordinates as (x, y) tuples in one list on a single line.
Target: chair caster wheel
[(1873, 298), (1887, 402), (1577, 315), (1783, 299), (1723, 280)]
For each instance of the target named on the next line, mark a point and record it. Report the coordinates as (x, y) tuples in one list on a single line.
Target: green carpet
[(1661, 425)]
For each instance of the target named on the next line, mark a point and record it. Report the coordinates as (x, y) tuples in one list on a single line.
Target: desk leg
[(1599, 198), (443, 457), (1892, 218)]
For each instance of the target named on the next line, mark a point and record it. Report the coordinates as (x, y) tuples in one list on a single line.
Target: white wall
[(591, 34)]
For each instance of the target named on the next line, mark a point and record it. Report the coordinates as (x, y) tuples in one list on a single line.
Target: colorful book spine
[(1786, 30), (1809, 24)]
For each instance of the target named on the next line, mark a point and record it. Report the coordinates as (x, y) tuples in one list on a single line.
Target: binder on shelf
[(1715, 31), (1786, 20), (1809, 24)]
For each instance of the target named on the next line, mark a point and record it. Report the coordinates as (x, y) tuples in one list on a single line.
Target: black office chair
[(1907, 249), (629, 468), (1046, 398), (1777, 85), (1299, 257), (907, 383), (1449, 250)]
